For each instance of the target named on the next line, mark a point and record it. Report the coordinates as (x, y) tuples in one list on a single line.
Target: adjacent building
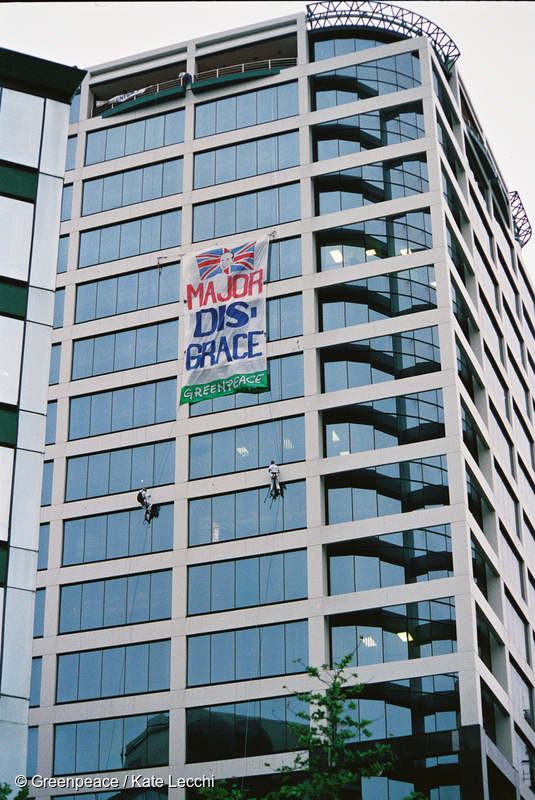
[(401, 352), (34, 118)]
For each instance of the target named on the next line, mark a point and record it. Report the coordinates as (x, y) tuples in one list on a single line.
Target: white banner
[(225, 321)]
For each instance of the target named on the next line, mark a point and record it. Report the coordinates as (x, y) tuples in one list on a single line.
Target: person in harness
[(151, 512), (275, 489)]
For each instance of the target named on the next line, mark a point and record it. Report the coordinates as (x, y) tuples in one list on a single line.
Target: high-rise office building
[(401, 356), (34, 117)]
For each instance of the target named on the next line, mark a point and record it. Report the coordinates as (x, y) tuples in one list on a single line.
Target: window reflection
[(387, 489), (362, 81), (395, 633), (244, 160), (115, 601), (134, 137), (115, 535), (114, 352), (131, 238), (111, 744), (384, 358), (247, 582), (383, 423), (122, 409), (410, 556), (256, 727), (371, 240), (247, 653), (113, 672), (371, 183), (368, 131), (242, 514), (247, 447), (250, 108), (246, 212), (113, 471), (378, 297)]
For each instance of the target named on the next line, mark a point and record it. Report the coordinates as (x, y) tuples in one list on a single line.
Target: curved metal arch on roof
[(385, 16), (521, 222)]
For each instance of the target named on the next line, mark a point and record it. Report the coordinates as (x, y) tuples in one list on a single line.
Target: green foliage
[(5, 791), (325, 744)]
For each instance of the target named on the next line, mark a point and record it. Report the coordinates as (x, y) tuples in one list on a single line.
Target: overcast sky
[(496, 40)]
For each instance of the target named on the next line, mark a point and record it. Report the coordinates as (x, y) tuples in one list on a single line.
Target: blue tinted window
[(243, 514), (130, 238), (115, 601), (134, 137), (99, 474), (246, 212), (125, 350), (247, 447), (102, 744), (251, 108), (247, 653), (247, 582)]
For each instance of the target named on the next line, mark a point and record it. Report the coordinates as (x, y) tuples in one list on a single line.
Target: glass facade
[(116, 535), (132, 238), (135, 137), (115, 601), (388, 489), (371, 79), (399, 342), (376, 562), (244, 110), (250, 447), (355, 134), (112, 743), (373, 183), (243, 514), (395, 633), (247, 582), (247, 653), (385, 358), (113, 672), (380, 297), (134, 186), (115, 352), (131, 292)]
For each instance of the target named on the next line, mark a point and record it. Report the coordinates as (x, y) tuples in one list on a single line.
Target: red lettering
[(194, 293), (256, 278), (245, 279)]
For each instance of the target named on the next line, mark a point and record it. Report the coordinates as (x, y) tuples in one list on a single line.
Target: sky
[(496, 40)]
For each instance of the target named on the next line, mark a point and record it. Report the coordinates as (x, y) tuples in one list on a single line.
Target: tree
[(5, 791), (327, 757)]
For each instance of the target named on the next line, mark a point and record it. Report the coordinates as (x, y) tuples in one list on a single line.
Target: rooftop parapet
[(385, 16)]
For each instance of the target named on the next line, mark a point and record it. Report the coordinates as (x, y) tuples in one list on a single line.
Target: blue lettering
[(252, 344), (223, 348), (240, 317), (235, 345), (192, 356), (199, 322), (208, 349)]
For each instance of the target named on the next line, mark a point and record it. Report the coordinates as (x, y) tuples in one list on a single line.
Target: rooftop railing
[(269, 63), (208, 75)]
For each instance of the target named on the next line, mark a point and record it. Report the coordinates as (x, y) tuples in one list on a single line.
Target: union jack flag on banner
[(225, 344), (238, 259)]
